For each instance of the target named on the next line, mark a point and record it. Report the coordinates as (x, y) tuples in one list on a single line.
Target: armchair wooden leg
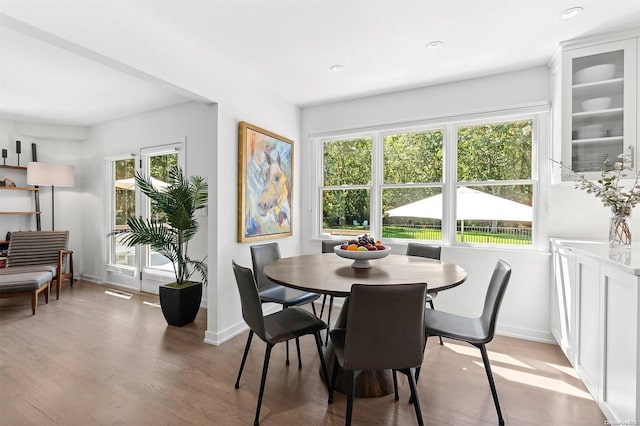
[(34, 302), (58, 286), (71, 269), (36, 293)]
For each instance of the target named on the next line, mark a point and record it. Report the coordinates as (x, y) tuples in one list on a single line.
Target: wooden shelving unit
[(13, 167), (19, 188), (31, 212), (31, 189)]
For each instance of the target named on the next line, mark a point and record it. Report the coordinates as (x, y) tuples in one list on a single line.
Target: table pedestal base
[(369, 384)]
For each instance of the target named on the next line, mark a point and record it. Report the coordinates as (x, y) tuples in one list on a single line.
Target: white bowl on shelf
[(361, 258), (591, 131), (595, 73), (596, 104)]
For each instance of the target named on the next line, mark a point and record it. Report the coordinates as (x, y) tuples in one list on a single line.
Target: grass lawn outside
[(471, 235)]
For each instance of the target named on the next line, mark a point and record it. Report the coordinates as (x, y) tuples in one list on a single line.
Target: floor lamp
[(45, 174)]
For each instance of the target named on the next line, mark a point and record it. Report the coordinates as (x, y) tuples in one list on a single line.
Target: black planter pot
[(180, 305)]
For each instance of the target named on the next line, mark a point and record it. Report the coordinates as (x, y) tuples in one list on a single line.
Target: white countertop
[(628, 259)]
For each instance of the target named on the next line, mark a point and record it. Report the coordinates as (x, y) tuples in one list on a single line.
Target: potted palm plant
[(169, 234)]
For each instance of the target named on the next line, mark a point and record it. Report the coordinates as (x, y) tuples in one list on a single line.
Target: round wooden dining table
[(330, 274)]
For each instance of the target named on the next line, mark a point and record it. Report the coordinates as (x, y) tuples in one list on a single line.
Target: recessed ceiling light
[(437, 44), (572, 12), (336, 68)]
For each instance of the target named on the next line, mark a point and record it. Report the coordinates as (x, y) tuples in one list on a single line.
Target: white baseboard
[(217, 339), (542, 336), (91, 278)]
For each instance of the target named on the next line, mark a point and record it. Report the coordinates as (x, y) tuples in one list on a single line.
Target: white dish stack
[(592, 162)]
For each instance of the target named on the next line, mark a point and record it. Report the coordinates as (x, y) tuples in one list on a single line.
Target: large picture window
[(494, 196), (346, 186), (412, 169), (457, 182)]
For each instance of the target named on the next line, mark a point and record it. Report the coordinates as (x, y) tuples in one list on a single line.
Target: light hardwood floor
[(90, 358)]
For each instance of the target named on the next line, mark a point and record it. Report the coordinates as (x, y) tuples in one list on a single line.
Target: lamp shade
[(50, 174)]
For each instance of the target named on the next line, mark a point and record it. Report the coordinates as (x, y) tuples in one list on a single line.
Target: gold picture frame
[(265, 184)]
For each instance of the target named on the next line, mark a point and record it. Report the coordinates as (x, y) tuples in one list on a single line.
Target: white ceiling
[(287, 46)]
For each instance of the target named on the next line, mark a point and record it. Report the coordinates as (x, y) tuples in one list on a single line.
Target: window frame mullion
[(377, 179)]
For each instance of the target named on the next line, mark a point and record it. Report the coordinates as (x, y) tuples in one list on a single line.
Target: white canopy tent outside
[(130, 183), (470, 204)]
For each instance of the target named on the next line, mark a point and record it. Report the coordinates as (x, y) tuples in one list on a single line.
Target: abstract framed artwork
[(265, 184)]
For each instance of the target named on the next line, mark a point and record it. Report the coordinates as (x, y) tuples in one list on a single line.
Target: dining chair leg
[(286, 344), (324, 300), (323, 364), (313, 308), (351, 387), (265, 367), (394, 375), (244, 358), (439, 337), (414, 396), (326, 342), (298, 350), (487, 367), (334, 377), (287, 349)]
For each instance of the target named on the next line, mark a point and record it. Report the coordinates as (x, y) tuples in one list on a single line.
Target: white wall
[(525, 311), (54, 144), (276, 116)]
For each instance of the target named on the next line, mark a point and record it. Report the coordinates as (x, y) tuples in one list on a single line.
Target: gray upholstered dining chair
[(384, 330), (429, 252), (327, 247), (278, 327), (476, 331), (261, 256)]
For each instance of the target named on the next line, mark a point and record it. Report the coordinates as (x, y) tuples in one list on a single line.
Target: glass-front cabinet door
[(599, 106)]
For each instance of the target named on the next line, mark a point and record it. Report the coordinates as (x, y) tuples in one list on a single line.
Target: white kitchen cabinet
[(587, 356), (595, 94), (619, 351), (599, 288), (563, 299)]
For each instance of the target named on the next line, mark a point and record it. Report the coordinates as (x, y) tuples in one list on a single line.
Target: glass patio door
[(156, 162), (140, 267)]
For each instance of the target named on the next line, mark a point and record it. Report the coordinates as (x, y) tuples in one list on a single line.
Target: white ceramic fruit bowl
[(361, 258)]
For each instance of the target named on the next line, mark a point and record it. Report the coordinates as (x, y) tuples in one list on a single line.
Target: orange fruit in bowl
[(352, 247)]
